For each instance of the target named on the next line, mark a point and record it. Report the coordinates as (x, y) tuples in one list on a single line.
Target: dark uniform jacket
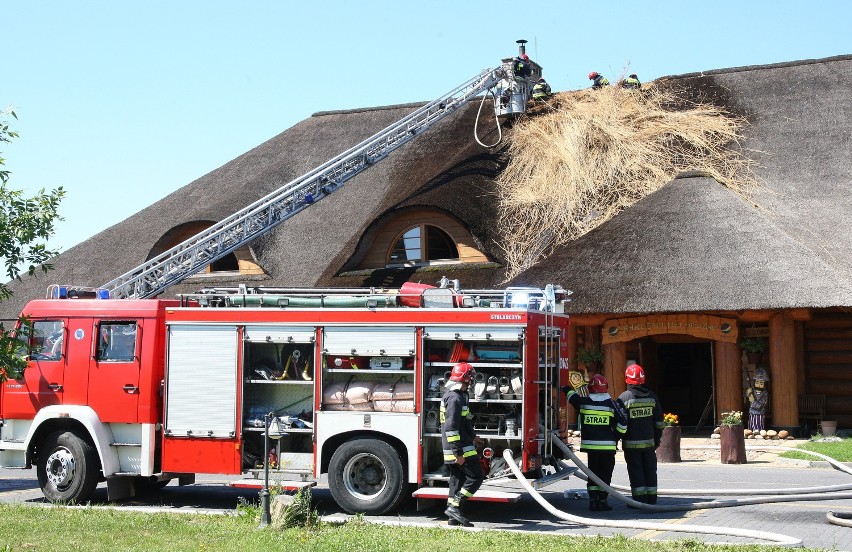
[(644, 418), (631, 83), (541, 90), (599, 82), (600, 420), (457, 431)]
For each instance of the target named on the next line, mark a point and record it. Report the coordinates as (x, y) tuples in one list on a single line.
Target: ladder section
[(255, 220)]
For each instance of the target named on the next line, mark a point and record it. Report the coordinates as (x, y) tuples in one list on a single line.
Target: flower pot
[(669, 449), (733, 444), (828, 428)]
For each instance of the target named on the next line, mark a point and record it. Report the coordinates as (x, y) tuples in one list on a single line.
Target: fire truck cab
[(297, 382)]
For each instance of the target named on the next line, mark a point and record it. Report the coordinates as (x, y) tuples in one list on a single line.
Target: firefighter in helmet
[(631, 82), (460, 443), (644, 431), (522, 66), (601, 423), (541, 90), (598, 80)]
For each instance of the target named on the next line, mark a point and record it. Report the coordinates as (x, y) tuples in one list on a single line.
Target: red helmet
[(598, 384), (634, 375), (462, 372), (593, 75), (525, 57)]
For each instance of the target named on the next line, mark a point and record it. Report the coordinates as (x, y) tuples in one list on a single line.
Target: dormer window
[(421, 244)]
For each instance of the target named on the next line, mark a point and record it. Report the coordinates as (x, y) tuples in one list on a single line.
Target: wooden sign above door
[(705, 326)]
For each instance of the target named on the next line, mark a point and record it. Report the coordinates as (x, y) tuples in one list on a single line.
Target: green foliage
[(589, 356), (840, 450), (753, 344), (733, 418), (300, 512), (26, 223)]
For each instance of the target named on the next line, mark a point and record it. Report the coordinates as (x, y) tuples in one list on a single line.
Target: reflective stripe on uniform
[(636, 444)]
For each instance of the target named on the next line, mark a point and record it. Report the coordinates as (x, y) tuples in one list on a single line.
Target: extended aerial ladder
[(258, 218)]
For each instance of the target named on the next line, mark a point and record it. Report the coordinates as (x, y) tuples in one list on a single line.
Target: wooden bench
[(811, 407)]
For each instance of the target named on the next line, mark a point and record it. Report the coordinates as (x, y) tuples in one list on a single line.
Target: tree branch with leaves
[(26, 223)]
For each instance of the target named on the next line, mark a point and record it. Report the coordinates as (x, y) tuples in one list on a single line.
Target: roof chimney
[(521, 48)]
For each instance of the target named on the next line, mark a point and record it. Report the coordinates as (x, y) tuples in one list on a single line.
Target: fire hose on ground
[(800, 494), (774, 538)]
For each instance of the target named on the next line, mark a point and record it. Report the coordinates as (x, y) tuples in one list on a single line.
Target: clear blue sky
[(123, 102)]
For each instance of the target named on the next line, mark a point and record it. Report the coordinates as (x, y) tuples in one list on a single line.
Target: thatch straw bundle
[(593, 153)]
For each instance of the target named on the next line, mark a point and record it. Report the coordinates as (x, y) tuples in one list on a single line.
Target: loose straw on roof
[(596, 152)]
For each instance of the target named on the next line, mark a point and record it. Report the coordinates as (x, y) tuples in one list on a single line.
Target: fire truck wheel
[(68, 468), (366, 476)]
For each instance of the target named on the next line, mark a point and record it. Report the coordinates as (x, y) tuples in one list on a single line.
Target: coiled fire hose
[(774, 538)]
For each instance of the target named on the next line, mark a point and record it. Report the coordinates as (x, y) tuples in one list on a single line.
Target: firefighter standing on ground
[(601, 423), (644, 431), (459, 443)]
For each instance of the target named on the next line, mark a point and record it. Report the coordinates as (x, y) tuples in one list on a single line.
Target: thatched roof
[(696, 246), (691, 246)]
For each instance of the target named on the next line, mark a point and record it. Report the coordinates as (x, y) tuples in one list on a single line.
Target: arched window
[(240, 261), (420, 244)]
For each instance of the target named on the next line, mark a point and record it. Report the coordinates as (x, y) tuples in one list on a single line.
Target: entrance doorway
[(685, 380)]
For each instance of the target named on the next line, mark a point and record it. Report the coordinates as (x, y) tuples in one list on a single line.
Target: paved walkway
[(699, 470)]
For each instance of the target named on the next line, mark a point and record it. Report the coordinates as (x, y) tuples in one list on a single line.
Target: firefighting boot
[(603, 505), (454, 513), (651, 499), (637, 498), (593, 501)]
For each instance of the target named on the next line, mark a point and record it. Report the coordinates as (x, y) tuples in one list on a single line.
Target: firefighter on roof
[(601, 423), (598, 80), (644, 431), (522, 66), (459, 443), (541, 90), (631, 82)]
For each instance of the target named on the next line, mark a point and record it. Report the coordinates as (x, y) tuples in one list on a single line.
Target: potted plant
[(591, 358), (732, 438), (754, 348), (669, 449)]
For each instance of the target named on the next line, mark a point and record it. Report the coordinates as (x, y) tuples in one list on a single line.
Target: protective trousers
[(642, 471), (602, 464), (465, 480)]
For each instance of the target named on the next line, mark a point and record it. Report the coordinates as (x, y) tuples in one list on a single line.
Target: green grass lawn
[(839, 450), (28, 528)]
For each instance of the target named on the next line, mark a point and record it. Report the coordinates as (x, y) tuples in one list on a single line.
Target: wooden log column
[(571, 418), (783, 393), (729, 390), (615, 355)]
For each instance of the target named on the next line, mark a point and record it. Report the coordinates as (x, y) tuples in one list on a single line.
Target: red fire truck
[(138, 392)]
